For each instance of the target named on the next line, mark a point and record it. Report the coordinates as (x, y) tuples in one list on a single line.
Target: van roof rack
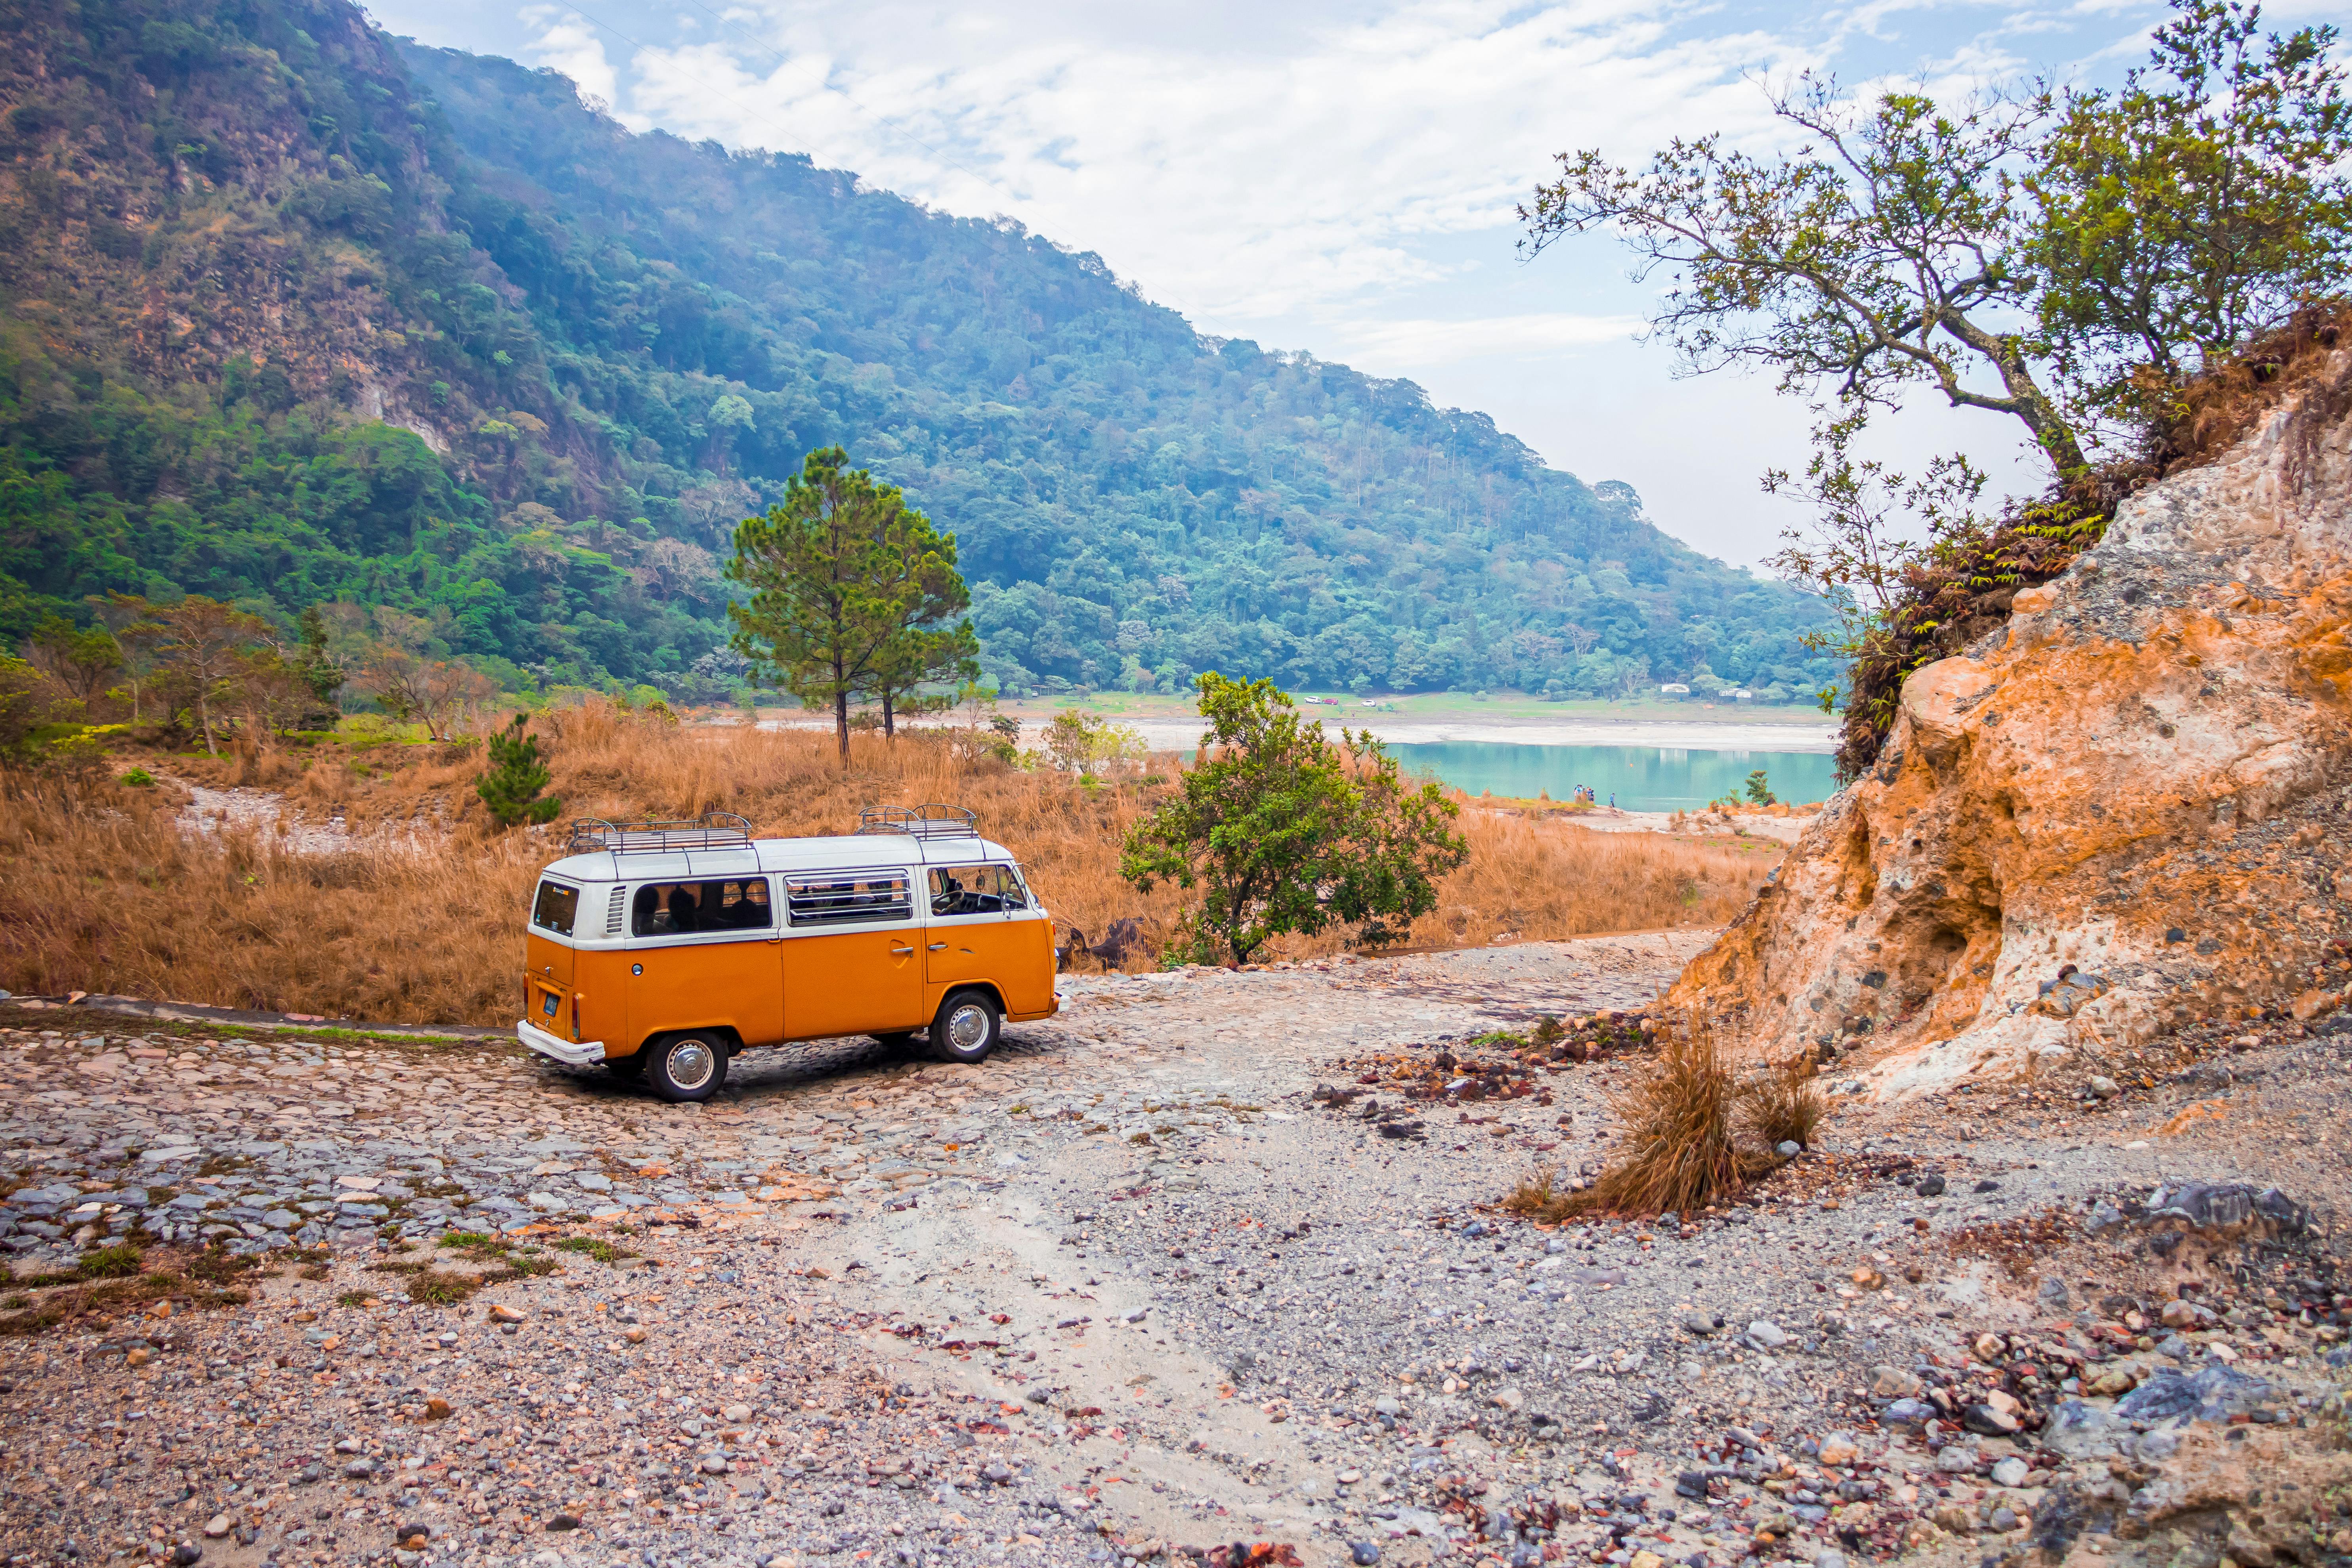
[(929, 820), (712, 830)]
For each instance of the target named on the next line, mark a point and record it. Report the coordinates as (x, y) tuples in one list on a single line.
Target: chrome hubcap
[(967, 1025), (692, 1063)]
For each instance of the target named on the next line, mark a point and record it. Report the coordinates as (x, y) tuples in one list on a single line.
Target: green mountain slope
[(291, 311)]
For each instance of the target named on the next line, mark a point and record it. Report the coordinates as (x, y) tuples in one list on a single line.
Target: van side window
[(688, 909), (848, 898), (555, 908), (976, 890)]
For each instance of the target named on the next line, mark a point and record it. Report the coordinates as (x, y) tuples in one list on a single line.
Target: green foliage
[(848, 586), (2073, 249), (2196, 207), (82, 662), (1079, 742), (1759, 789), (1872, 260), (34, 717), (512, 783), (1285, 831)]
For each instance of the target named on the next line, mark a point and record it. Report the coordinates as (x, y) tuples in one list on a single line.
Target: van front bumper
[(571, 1053)]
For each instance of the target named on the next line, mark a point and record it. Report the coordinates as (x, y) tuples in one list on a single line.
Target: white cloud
[(564, 41), (1394, 346), (1236, 182)]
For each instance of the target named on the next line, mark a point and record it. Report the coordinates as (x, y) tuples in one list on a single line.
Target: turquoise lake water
[(1642, 778)]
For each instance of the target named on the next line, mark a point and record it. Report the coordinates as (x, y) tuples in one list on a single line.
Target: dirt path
[(1127, 1289)]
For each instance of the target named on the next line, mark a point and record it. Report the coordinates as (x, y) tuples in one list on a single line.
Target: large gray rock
[(2213, 1394)]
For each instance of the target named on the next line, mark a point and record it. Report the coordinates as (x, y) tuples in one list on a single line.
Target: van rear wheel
[(967, 1029), (687, 1066)]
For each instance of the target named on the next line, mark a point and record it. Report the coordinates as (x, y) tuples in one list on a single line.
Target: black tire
[(631, 1066), (967, 1028), (903, 1040), (687, 1066)]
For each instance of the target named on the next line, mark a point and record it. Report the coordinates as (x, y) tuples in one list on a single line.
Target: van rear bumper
[(571, 1053)]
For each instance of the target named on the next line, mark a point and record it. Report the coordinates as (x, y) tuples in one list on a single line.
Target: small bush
[(602, 1251), (117, 1262), (443, 1288), (1538, 1197), (139, 778), (354, 1299)]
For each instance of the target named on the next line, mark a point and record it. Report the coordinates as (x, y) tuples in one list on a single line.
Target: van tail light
[(575, 1018)]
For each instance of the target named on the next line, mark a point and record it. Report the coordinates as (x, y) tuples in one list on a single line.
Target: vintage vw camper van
[(663, 949)]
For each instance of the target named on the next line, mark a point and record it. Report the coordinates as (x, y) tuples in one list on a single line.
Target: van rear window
[(556, 906), (848, 898)]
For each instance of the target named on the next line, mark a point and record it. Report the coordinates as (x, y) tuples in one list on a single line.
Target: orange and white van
[(664, 949)]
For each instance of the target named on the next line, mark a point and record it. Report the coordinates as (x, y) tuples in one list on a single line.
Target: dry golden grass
[(1781, 1105), (422, 922), (1694, 1131)]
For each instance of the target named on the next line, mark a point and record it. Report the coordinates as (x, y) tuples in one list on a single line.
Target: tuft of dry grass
[(1782, 1104), (1681, 1150), (421, 918), (1692, 1132)]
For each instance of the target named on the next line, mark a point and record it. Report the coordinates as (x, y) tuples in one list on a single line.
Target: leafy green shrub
[(1287, 831)]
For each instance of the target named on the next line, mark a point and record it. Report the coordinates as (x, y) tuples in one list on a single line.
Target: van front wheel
[(686, 1066), (967, 1029)]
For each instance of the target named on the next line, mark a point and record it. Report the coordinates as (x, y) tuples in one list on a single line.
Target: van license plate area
[(548, 1003)]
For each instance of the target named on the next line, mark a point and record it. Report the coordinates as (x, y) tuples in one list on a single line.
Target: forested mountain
[(291, 312)]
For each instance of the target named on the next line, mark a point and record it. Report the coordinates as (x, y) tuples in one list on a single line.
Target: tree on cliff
[(850, 589), (1284, 830), (2025, 254)]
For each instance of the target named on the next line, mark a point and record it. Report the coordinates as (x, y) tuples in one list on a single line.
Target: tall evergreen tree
[(848, 586)]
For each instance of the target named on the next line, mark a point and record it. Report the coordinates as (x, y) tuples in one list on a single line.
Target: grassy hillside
[(290, 312)]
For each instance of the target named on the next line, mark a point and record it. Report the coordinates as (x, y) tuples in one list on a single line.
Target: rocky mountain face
[(2122, 812)]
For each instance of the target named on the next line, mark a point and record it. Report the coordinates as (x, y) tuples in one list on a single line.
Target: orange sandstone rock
[(2108, 782)]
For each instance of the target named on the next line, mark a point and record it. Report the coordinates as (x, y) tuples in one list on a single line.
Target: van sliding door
[(850, 953)]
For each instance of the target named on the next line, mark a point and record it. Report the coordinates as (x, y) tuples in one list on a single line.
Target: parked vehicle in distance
[(665, 949)]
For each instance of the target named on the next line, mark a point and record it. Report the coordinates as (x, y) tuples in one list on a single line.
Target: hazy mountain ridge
[(249, 235)]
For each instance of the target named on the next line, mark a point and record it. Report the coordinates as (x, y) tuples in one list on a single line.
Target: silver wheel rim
[(692, 1063), (967, 1025)]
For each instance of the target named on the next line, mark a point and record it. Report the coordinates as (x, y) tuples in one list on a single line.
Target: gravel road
[(1128, 1291)]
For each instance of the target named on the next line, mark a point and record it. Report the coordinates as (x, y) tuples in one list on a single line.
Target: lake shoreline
[(1176, 734)]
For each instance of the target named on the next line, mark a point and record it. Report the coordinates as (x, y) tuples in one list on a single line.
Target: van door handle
[(902, 952), (939, 947)]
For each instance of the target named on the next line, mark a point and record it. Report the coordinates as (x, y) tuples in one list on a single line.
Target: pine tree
[(512, 786)]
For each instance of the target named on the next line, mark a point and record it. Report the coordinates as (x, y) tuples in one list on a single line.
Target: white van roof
[(835, 853)]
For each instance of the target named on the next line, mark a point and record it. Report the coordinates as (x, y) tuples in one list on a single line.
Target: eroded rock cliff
[(2143, 774)]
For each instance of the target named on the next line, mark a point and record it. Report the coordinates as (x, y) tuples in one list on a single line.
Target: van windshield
[(555, 909)]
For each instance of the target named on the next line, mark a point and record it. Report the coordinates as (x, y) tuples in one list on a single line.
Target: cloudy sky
[(1333, 175)]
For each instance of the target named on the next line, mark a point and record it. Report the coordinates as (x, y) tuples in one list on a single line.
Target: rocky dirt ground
[(1208, 1268)]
